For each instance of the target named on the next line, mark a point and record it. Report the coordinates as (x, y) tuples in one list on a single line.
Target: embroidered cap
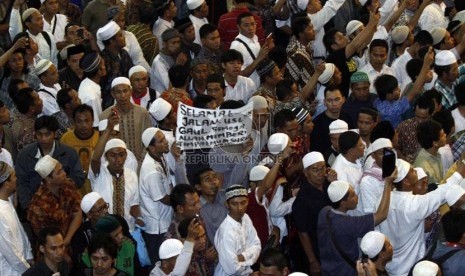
[(90, 62), (359, 76), (265, 66), (235, 191), (300, 114)]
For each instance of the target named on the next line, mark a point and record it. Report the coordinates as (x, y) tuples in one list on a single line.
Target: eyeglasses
[(101, 208)]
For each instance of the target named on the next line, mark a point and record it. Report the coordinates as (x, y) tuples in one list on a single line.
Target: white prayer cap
[(362, 2), (42, 1), (136, 69), (277, 143), (454, 194), (372, 243), (148, 135), (438, 34), (327, 73), (160, 108), (312, 158), (194, 4), (399, 34), (337, 190), (298, 274), (28, 13), (258, 102), (258, 173), (460, 16), (120, 80), (403, 167), (338, 126), (42, 66), (45, 166), (108, 31), (170, 248), (425, 268), (378, 144), (420, 173), (102, 125), (352, 26), (302, 4), (114, 143), (89, 200), (444, 58)]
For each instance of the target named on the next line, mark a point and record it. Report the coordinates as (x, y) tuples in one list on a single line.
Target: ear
[(41, 249), (197, 187)]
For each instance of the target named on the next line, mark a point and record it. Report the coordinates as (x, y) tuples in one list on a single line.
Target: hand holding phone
[(389, 162)]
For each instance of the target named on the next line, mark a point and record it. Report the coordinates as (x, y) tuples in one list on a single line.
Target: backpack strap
[(153, 97), (47, 38), (45, 91), (247, 47)]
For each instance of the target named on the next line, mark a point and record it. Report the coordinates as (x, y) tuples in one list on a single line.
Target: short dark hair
[(379, 43), (385, 84), (459, 95), (282, 117), (242, 16), (348, 140), (13, 88), (328, 39), (433, 95), (273, 257), (284, 89), (440, 70), (216, 78), (63, 97), (48, 122), (70, 24), (232, 104), (23, 99), (48, 231), (369, 111), (383, 129), (103, 241), (207, 29), (279, 56), (201, 101), (178, 75), (425, 102), (299, 24), (198, 174), (445, 119), (147, 13), (427, 133), (423, 38), (453, 223), (178, 195), (331, 88), (83, 108), (231, 55), (413, 68)]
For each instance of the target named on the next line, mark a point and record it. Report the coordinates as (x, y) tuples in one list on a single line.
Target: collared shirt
[(373, 74), (431, 164), (348, 171), (155, 184), (448, 94), (48, 95), (299, 64), (213, 214), (103, 184), (134, 50), (159, 79), (392, 110), (147, 40), (57, 26), (241, 91), (197, 22), (254, 46), (235, 238), (90, 93), (433, 16), (159, 27)]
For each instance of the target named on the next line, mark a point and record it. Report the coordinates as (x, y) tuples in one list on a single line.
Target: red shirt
[(227, 27)]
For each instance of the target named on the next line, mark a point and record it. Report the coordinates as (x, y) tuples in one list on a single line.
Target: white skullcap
[(170, 248), (42, 1), (438, 34), (403, 167), (298, 274), (337, 190), (327, 73), (420, 173), (267, 161), (444, 58), (194, 4), (454, 194), (399, 34), (258, 173), (102, 125), (148, 135), (114, 143), (45, 166), (277, 143), (136, 69), (302, 4), (108, 31), (312, 158), (378, 144), (28, 13), (338, 126), (460, 16), (42, 66), (89, 200), (362, 2), (258, 102), (425, 268), (160, 108), (120, 80), (352, 26), (372, 243)]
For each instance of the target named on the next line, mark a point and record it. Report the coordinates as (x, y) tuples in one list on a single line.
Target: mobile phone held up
[(80, 33), (389, 162)]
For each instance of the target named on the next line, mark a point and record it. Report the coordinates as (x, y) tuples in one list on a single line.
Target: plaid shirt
[(448, 96), (458, 146)]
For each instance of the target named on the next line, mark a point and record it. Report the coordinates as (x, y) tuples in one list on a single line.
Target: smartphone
[(389, 162), (80, 33)]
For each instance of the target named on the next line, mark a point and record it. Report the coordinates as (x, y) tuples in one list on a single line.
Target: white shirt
[(197, 23), (319, 20), (433, 16), (278, 209), (5, 156), (61, 21), (130, 163), (134, 50), (145, 99), (404, 225), (399, 67), (159, 79), (49, 98), (447, 158), (15, 249), (90, 93), (370, 192), (348, 171), (153, 186), (159, 27), (459, 120), (373, 74), (235, 238), (46, 51), (255, 47), (386, 10), (242, 91), (103, 184)]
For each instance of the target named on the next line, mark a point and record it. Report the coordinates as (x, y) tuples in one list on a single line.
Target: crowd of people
[(353, 164)]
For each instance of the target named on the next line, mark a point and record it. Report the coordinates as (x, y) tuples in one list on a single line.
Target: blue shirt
[(392, 110)]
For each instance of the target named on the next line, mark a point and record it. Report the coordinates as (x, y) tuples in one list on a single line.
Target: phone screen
[(389, 162)]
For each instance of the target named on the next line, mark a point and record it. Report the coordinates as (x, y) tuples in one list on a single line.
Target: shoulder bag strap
[(247, 47)]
